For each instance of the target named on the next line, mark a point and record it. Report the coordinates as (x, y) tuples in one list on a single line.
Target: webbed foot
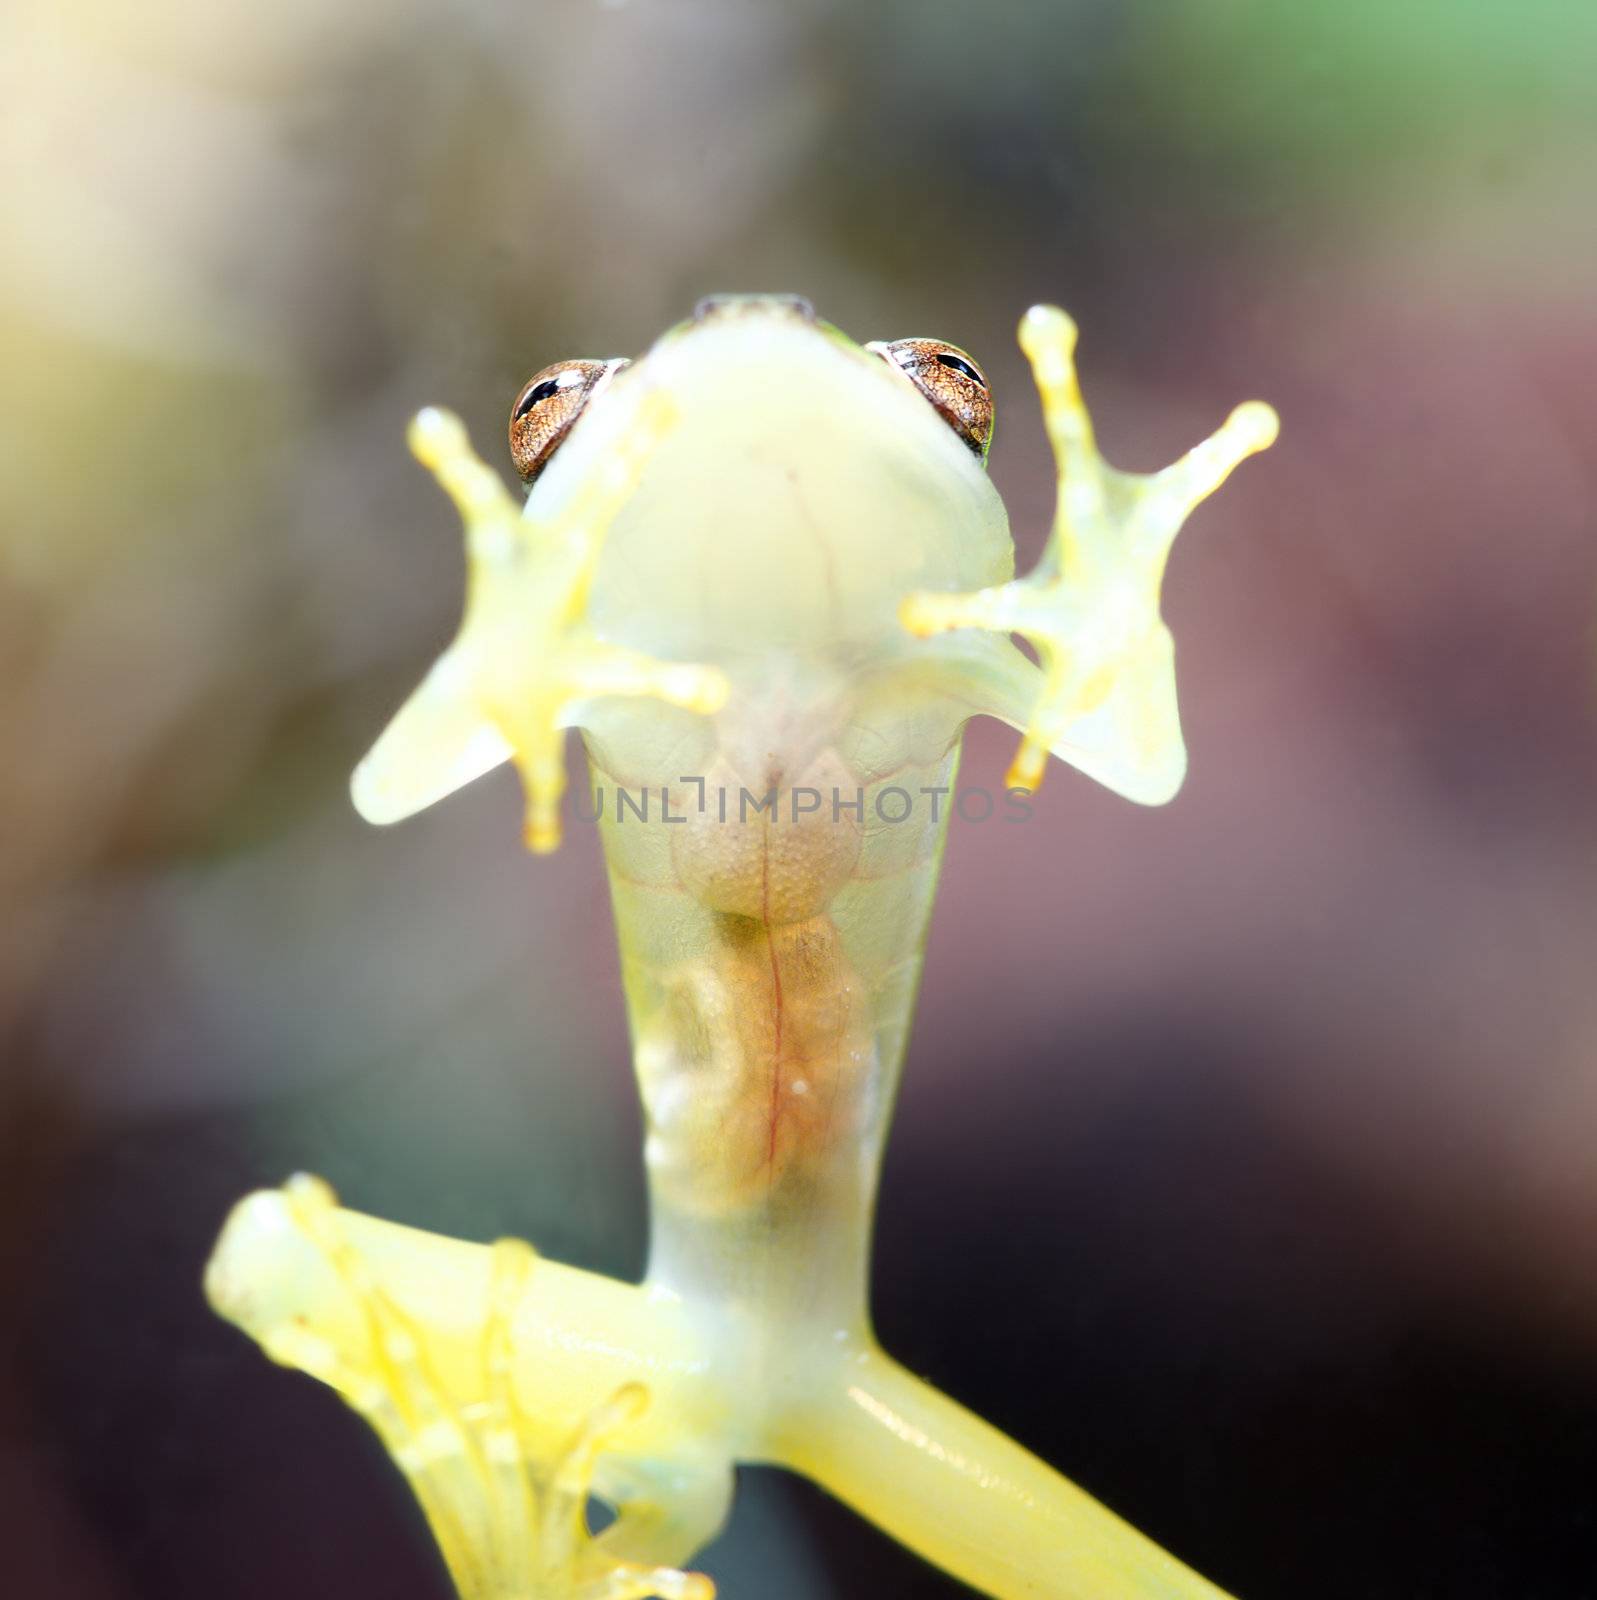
[(1107, 699), (525, 656), (509, 1511)]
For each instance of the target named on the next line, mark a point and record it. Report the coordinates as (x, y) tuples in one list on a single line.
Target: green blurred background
[(1266, 1122)]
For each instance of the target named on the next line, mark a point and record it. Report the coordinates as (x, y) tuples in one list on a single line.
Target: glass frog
[(763, 571)]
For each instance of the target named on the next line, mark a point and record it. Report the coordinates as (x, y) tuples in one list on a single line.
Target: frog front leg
[(526, 658), (503, 1435), (1104, 694)]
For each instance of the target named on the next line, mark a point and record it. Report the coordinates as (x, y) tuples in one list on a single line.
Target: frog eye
[(953, 383), (547, 406)]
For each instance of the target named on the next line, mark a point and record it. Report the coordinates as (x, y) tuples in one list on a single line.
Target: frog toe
[(1102, 695)]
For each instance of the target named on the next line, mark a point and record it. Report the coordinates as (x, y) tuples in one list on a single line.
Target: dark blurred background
[(1246, 1165)]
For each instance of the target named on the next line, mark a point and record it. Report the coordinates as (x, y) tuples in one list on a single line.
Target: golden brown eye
[(952, 382), (547, 406)]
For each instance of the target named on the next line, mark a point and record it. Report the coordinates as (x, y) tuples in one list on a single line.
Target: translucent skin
[(770, 586), (770, 955)]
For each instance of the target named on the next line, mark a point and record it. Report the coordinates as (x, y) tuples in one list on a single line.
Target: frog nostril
[(713, 305)]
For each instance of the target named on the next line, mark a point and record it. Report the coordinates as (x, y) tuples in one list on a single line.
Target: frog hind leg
[(511, 1525), (969, 1499), (666, 1510)]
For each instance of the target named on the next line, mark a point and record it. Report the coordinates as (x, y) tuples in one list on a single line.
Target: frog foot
[(511, 1521), (1107, 701), (525, 657)]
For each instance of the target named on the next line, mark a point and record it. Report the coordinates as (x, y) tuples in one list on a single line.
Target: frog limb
[(1105, 696), (525, 656), (501, 1436), (508, 1387), (968, 1498)]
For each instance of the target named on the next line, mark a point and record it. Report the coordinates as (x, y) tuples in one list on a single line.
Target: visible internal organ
[(756, 1076), (756, 1067), (776, 853)]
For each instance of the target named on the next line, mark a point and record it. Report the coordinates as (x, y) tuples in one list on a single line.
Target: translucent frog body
[(769, 583)]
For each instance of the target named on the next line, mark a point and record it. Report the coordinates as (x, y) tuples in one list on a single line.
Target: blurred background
[(1246, 1165)]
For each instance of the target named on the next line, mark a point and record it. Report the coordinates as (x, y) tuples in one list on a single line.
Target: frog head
[(757, 498)]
